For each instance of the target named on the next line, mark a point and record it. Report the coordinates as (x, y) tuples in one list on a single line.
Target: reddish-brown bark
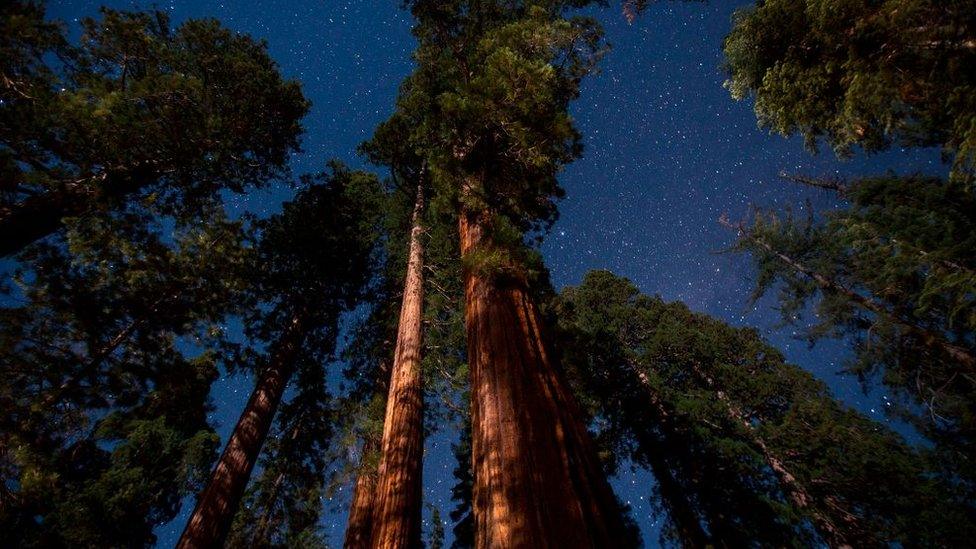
[(396, 512), (218, 502), (360, 524), (538, 481)]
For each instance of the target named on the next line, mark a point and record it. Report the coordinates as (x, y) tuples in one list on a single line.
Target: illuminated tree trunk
[(538, 481), (396, 513), (218, 502), (360, 525)]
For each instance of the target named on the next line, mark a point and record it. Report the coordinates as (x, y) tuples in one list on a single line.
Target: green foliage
[(487, 106), (315, 259), (906, 243), (104, 390), (136, 110), (863, 73), (314, 262), (114, 332), (898, 261), (661, 378)]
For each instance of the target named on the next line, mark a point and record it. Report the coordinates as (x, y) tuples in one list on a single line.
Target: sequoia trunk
[(211, 519), (396, 513), (360, 525), (538, 481)]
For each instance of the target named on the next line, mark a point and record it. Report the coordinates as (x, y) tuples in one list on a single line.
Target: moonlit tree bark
[(397, 509), (360, 524), (538, 481), (218, 502)]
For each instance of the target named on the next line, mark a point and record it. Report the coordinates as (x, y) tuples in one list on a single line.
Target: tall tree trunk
[(359, 528), (794, 489), (929, 338), (538, 481), (397, 510), (218, 502)]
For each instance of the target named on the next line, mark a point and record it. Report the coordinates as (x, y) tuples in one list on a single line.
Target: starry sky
[(666, 153)]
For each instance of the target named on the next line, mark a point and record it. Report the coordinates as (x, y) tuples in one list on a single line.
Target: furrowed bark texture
[(360, 525), (396, 513), (538, 481), (217, 504)]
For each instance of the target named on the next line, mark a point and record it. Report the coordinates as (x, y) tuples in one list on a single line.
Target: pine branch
[(929, 338), (837, 185)]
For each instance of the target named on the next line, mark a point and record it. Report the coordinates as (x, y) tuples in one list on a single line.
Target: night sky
[(666, 152)]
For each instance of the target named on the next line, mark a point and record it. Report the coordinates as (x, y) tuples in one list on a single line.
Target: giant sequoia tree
[(314, 260), (395, 514), (487, 110), (756, 449), (386, 505), (115, 154), (136, 111)]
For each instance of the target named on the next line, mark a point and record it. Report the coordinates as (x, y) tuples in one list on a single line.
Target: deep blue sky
[(667, 151)]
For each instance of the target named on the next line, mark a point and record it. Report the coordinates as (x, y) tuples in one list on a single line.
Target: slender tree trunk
[(218, 502), (929, 338), (397, 510), (538, 481), (791, 485), (360, 525), (675, 496), (688, 527)]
